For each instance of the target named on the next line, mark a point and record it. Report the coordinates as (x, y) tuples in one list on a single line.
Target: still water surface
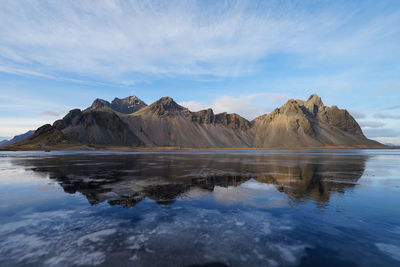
[(222, 208)]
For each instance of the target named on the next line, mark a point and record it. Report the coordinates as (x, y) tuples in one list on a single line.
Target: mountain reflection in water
[(126, 179), (195, 208)]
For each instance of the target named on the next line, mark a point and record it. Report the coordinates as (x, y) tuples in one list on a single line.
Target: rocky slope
[(165, 123), (308, 123), (89, 127), (126, 105), (129, 122)]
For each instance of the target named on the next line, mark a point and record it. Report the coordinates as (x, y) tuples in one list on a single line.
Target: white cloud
[(194, 105), (392, 107), (389, 140), (247, 194), (51, 113), (386, 116), (371, 124), (248, 106), (241, 105), (120, 40), (11, 126), (381, 132)]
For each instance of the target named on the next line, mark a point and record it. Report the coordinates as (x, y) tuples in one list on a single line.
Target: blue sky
[(246, 57)]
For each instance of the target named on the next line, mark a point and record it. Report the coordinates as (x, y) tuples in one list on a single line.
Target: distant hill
[(4, 142), (129, 123), (390, 144), (16, 138)]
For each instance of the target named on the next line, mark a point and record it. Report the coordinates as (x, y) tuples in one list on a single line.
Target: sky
[(247, 57)]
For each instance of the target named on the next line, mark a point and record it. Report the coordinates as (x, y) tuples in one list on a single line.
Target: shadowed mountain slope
[(129, 122), (90, 127)]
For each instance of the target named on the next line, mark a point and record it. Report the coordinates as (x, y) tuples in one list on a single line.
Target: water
[(222, 208)]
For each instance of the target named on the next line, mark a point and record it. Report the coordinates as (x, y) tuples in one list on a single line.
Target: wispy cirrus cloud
[(357, 114), (120, 40), (51, 113), (392, 107), (386, 116), (390, 87), (371, 124)]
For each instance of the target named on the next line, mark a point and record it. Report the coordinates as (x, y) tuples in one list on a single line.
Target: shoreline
[(127, 148)]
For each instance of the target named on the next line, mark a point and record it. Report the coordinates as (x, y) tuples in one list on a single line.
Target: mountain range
[(130, 123)]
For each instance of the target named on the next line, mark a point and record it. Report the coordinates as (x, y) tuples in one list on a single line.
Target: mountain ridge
[(129, 122), (125, 105)]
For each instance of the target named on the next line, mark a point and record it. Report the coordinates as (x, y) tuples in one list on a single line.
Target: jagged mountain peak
[(100, 103), (316, 100), (207, 116), (312, 106), (133, 100), (166, 100), (204, 112), (166, 106), (291, 106), (125, 105), (308, 109)]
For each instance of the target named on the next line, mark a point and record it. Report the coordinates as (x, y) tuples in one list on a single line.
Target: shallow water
[(227, 208)]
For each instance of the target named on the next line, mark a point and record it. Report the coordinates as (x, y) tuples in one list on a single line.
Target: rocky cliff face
[(165, 107), (165, 123), (308, 123), (96, 127), (126, 105), (130, 122), (233, 121)]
